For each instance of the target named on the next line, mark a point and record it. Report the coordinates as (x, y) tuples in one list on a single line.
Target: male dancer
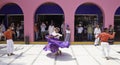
[(104, 36), (8, 36)]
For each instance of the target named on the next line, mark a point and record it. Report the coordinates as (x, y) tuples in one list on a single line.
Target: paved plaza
[(74, 55)]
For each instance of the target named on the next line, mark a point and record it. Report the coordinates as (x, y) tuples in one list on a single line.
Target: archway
[(117, 24), (48, 13), (86, 15), (11, 15)]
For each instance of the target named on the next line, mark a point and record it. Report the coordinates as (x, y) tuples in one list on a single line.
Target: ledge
[(39, 42)]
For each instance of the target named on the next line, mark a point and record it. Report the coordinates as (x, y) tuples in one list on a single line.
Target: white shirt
[(97, 31), (50, 29), (43, 26), (80, 29), (67, 31)]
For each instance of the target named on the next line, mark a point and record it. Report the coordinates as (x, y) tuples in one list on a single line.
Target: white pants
[(105, 48), (18, 33), (96, 40), (10, 46)]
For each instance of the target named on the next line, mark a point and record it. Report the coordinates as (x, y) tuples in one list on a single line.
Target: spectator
[(97, 31), (43, 31), (89, 32)]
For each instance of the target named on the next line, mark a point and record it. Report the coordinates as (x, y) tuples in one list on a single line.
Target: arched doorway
[(117, 24), (11, 15), (87, 15), (48, 13)]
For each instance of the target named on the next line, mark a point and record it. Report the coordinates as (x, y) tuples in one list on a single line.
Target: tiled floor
[(75, 55)]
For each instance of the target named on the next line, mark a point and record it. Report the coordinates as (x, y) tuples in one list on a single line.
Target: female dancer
[(54, 43)]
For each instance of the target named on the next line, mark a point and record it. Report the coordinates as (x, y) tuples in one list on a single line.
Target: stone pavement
[(75, 55)]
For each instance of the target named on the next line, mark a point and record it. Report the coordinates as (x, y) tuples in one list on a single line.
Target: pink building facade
[(69, 7)]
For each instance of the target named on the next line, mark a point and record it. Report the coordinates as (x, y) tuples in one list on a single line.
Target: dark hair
[(110, 25), (67, 25), (57, 28), (105, 29)]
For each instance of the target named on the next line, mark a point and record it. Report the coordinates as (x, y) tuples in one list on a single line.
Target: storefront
[(48, 13), (70, 12), (87, 14), (12, 13)]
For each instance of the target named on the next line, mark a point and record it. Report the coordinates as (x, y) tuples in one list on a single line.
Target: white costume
[(97, 31), (105, 48), (10, 46), (57, 35)]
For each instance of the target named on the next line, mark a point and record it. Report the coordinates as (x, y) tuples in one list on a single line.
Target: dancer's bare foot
[(59, 52), (107, 58), (8, 54), (12, 54), (56, 54)]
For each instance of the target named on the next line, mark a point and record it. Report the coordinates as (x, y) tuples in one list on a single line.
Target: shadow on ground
[(63, 57), (113, 58)]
